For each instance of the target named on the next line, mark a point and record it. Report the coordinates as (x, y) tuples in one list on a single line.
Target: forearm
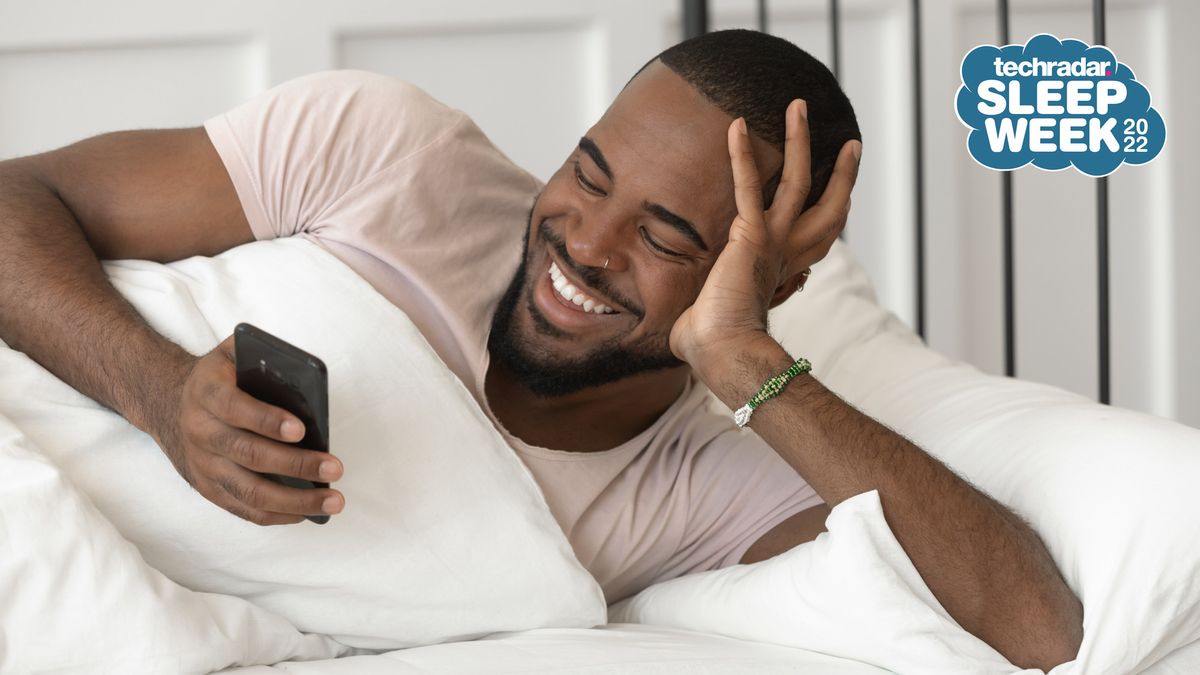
[(988, 569), (57, 306)]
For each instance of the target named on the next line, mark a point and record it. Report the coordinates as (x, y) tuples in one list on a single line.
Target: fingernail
[(331, 505), (742, 126), (292, 429), (328, 470), (857, 149), (803, 106)]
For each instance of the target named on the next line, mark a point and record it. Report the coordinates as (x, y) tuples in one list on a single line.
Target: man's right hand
[(221, 439)]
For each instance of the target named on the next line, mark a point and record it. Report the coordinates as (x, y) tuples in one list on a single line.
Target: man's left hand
[(765, 248)]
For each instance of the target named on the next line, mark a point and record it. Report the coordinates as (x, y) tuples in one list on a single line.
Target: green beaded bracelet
[(771, 388)]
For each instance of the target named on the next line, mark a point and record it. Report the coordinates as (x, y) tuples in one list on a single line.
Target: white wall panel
[(55, 96), (533, 89), (1177, 91)]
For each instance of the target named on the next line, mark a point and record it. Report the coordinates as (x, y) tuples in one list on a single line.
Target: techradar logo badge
[(1056, 103)]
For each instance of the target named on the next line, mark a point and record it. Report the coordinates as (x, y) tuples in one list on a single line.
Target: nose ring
[(606, 263)]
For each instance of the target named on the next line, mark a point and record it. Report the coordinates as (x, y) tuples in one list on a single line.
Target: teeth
[(568, 291)]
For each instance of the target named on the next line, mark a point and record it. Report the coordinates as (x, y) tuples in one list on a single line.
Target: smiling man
[(589, 316)]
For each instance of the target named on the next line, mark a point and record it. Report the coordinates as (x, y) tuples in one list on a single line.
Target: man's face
[(650, 190)]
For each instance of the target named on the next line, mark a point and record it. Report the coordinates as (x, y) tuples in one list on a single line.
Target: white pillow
[(1110, 491), (79, 598), (445, 535), (852, 592)]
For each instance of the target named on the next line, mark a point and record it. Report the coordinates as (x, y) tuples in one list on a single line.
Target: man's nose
[(597, 239)]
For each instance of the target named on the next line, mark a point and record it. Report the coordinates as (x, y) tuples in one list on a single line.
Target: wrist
[(735, 370), (156, 411)]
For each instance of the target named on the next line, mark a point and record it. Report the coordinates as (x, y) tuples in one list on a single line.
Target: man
[(641, 278)]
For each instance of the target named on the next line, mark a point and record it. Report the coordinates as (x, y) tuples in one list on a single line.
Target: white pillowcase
[(445, 535), (1110, 491), (79, 598), (852, 592)]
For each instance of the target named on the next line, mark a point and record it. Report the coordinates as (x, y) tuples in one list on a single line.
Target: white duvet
[(447, 538)]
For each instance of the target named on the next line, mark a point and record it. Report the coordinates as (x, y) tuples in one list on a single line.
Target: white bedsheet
[(1182, 661), (616, 648)]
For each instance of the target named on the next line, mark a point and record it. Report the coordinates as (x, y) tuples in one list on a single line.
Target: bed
[(398, 587)]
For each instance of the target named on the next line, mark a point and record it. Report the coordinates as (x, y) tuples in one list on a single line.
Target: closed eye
[(654, 244), (586, 184)]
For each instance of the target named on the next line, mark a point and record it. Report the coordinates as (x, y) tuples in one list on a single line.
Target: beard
[(548, 374)]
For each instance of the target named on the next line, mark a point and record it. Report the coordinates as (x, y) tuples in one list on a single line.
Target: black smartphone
[(277, 372)]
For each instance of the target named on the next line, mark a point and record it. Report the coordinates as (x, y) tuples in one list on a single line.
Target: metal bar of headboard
[(1006, 218), (1098, 17), (835, 60), (918, 166), (762, 16), (835, 39), (695, 18)]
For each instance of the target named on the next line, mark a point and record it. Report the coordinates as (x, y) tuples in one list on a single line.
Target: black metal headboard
[(695, 22)]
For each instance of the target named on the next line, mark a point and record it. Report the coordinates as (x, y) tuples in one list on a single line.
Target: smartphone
[(283, 375)]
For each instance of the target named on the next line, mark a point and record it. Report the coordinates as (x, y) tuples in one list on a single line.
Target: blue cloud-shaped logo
[(1054, 103)]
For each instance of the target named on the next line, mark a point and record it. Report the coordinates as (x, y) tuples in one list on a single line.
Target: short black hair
[(756, 75)]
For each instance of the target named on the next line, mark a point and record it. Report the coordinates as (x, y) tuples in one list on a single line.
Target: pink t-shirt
[(410, 194)]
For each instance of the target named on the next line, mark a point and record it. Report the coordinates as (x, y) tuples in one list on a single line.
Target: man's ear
[(787, 288)]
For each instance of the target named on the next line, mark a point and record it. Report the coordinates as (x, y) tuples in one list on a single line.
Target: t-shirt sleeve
[(295, 150), (738, 489)]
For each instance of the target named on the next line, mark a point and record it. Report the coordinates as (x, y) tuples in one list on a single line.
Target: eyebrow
[(683, 225), (592, 151)]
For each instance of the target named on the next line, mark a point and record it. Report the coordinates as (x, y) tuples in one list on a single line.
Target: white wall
[(536, 73)]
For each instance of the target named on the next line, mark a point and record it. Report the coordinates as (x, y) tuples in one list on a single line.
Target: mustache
[(590, 275)]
